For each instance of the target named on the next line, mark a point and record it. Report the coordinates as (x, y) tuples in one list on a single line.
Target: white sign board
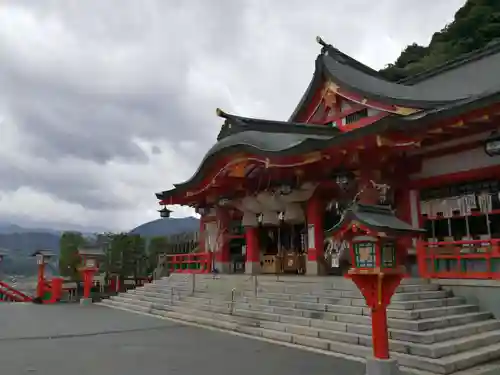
[(311, 243)]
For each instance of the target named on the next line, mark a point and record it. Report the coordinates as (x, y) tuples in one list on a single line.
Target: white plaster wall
[(464, 161)]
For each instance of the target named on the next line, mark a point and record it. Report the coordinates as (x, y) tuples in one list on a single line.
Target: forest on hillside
[(475, 26)]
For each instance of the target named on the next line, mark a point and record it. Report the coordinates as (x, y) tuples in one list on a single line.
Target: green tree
[(475, 26), (157, 245), (69, 260), (126, 255)]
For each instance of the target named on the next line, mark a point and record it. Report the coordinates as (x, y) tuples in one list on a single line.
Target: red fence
[(10, 294), (474, 259), (190, 263)]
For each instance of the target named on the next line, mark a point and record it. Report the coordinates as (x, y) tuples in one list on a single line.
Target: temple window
[(469, 211), (356, 116)]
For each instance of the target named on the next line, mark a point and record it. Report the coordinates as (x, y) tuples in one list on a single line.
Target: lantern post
[(374, 234), (42, 259), (90, 265)]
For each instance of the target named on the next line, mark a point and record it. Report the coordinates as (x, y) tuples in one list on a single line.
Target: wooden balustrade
[(469, 259)]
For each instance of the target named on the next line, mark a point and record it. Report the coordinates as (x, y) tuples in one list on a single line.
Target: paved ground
[(94, 340)]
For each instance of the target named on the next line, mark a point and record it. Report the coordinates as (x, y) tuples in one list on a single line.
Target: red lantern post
[(42, 258), (88, 269), (377, 268)]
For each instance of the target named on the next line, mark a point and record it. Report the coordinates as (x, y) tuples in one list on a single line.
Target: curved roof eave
[(316, 81), (371, 87), (356, 77), (309, 143), (255, 143)]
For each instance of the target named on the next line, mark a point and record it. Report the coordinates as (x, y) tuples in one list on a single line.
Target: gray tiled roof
[(469, 76), (379, 218), (279, 141)]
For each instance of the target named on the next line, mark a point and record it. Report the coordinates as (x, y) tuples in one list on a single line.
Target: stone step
[(408, 325), (297, 308), (342, 322), (436, 350), (399, 297), (302, 279), (424, 337), (287, 292), (276, 287), (427, 303), (444, 365), (417, 296), (425, 308), (273, 287), (430, 331)]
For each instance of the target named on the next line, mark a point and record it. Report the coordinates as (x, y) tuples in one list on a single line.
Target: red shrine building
[(422, 153)]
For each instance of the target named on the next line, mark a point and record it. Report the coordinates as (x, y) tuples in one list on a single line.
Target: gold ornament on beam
[(458, 124), (405, 111)]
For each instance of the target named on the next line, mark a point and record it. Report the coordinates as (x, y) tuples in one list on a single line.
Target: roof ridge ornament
[(321, 41), (219, 112)]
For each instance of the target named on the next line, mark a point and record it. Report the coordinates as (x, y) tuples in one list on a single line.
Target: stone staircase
[(431, 332)]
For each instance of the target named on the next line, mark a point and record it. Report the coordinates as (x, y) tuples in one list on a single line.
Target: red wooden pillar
[(315, 234), (252, 261), (380, 336), (57, 288), (88, 277)]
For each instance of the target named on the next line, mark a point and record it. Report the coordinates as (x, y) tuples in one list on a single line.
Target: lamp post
[(374, 232), (42, 259), (90, 265)]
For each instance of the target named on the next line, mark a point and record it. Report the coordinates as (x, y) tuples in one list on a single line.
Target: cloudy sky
[(105, 102)]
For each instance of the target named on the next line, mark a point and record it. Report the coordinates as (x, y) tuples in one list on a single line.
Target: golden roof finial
[(219, 112), (321, 41)]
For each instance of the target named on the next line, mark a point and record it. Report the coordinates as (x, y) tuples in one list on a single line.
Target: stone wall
[(485, 293)]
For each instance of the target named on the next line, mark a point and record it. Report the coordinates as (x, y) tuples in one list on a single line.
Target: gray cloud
[(106, 102)]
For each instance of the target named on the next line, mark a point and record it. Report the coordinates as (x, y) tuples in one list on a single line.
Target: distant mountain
[(26, 243), (167, 226), (14, 228), (20, 242), (8, 228)]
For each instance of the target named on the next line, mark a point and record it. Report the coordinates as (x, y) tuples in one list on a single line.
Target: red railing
[(190, 263), (471, 259), (12, 294)]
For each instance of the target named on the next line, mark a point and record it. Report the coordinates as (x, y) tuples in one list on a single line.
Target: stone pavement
[(94, 340)]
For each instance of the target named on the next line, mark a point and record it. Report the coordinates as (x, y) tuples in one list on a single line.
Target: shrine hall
[(421, 154)]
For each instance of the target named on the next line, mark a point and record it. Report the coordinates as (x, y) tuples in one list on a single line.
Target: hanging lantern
[(331, 205), (260, 218), (492, 144), (285, 190), (343, 178), (224, 202), (164, 212), (201, 211)]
